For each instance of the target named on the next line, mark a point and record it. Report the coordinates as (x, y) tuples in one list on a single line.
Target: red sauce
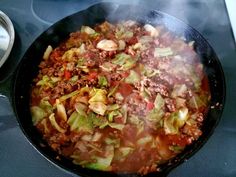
[(95, 116)]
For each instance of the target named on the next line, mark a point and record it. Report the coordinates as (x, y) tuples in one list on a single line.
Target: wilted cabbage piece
[(61, 111), (125, 151), (123, 33), (116, 126), (124, 61), (107, 45), (97, 121), (147, 71), (113, 107), (102, 81), (112, 141), (47, 52), (98, 101), (113, 114), (197, 101), (69, 55), (98, 95), (179, 90), (107, 66), (175, 121), (122, 45), (67, 96), (98, 107), (153, 31), (133, 77), (88, 30), (176, 149), (46, 106), (102, 163), (163, 52), (37, 114), (159, 102), (55, 124), (79, 123), (143, 141), (45, 81)]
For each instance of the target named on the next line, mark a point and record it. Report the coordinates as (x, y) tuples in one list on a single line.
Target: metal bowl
[(7, 37)]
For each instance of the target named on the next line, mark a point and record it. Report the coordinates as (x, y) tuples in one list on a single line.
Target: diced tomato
[(92, 75), (150, 106), (125, 89), (67, 74)]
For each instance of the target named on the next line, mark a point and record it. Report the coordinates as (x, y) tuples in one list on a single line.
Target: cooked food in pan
[(122, 97)]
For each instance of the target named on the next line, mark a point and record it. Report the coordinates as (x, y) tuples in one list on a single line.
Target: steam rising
[(187, 10)]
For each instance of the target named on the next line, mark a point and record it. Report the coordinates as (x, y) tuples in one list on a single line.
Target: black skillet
[(28, 69)]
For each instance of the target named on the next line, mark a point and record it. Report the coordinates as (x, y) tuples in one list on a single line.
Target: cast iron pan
[(28, 69)]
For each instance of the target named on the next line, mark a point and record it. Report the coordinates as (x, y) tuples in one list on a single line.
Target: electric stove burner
[(49, 12)]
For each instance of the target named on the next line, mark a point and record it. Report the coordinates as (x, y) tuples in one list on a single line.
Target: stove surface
[(217, 158)]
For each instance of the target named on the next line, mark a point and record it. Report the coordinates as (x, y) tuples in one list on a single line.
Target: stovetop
[(217, 158)]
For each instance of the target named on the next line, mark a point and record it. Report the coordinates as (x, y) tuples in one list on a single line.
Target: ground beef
[(170, 104), (138, 114), (115, 76), (135, 105)]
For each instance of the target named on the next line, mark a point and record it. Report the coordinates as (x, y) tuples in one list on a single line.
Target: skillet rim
[(168, 166)]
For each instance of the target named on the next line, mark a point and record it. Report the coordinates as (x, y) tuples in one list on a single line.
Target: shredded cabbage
[(67, 96), (143, 141), (132, 78), (159, 102), (197, 101), (103, 163), (88, 30), (125, 151), (147, 71), (79, 123), (45, 105), (124, 61), (113, 90), (113, 114), (69, 54), (98, 100), (176, 149), (175, 121), (97, 121), (115, 142), (61, 111), (179, 90), (98, 95), (113, 107), (98, 107), (163, 52), (123, 33), (156, 114), (107, 66), (102, 81), (116, 126), (37, 114), (55, 124), (80, 108), (47, 52), (45, 81)]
